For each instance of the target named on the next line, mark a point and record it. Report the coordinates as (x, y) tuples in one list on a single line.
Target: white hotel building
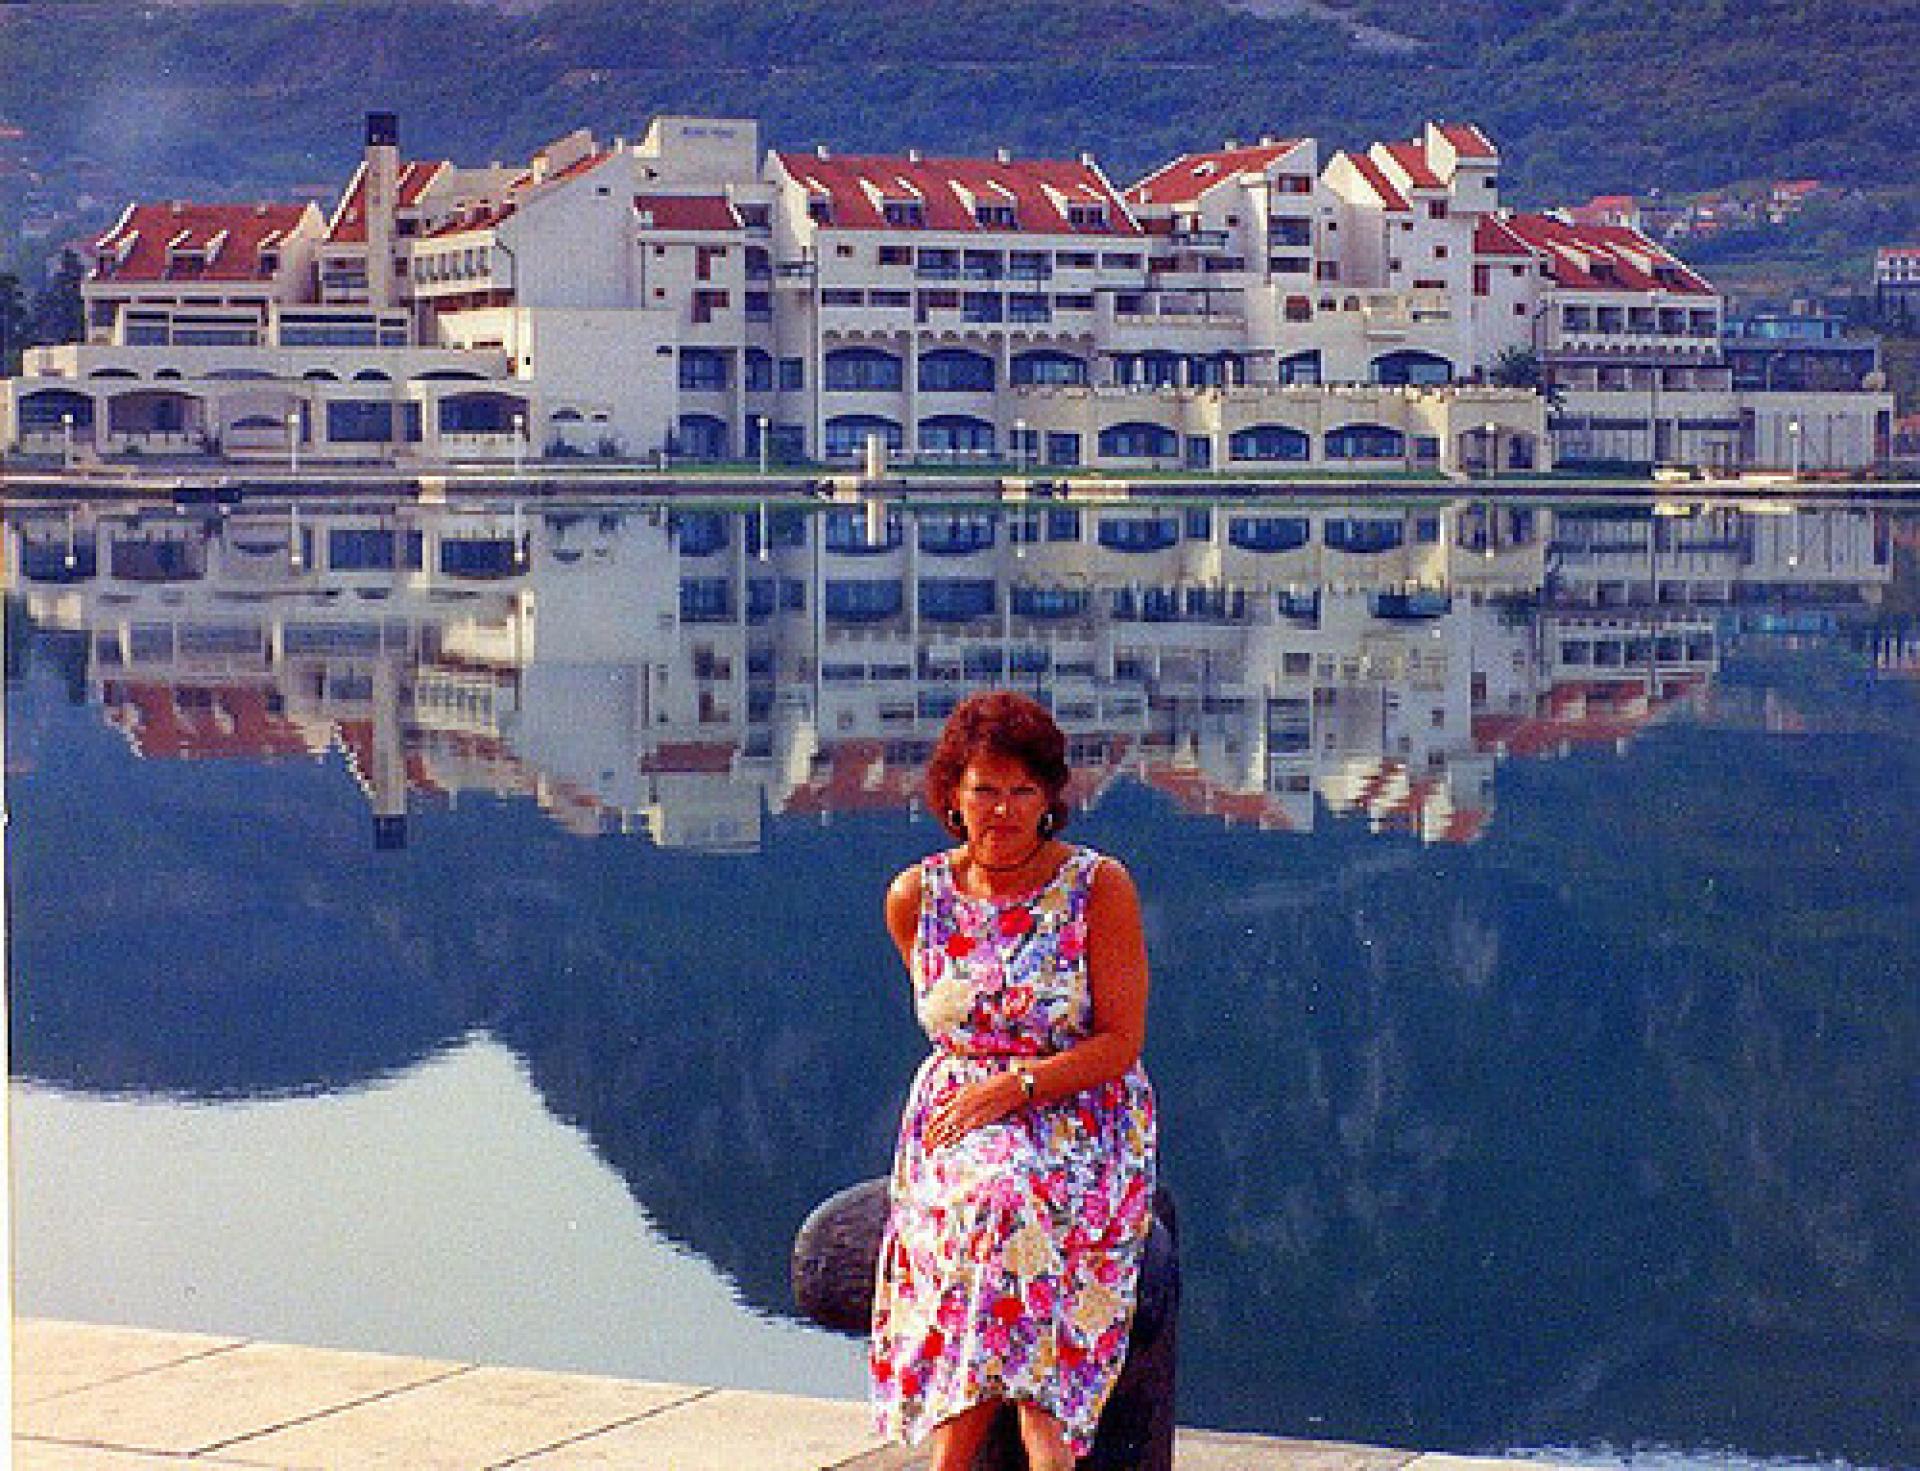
[(1246, 309)]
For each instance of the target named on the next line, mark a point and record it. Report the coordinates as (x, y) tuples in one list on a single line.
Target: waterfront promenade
[(93, 1398)]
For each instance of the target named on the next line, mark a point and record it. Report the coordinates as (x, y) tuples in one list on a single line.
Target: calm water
[(457, 931)]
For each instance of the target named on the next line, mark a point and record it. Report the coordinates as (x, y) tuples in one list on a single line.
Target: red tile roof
[(685, 212), (179, 722), (948, 188), (194, 242), (1412, 160), (1468, 141), (483, 217), (1377, 180), (349, 223), (1193, 174), (1605, 257), (1492, 237)]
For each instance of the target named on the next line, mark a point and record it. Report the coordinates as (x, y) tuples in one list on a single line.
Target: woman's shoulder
[(1106, 876)]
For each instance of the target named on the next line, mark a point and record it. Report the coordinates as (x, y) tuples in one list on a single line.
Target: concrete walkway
[(90, 1398)]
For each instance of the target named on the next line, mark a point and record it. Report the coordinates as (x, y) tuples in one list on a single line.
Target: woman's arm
[(1117, 974)]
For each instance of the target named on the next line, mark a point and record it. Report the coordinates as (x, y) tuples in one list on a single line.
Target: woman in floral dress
[(1022, 1187)]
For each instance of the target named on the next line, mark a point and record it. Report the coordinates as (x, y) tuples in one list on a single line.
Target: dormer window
[(269, 262), (820, 209), (1087, 216), (905, 212), (994, 216)]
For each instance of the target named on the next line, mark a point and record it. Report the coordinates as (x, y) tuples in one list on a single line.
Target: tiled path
[(90, 1398)]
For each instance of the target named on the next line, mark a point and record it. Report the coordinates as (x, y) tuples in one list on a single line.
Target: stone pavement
[(90, 1398)]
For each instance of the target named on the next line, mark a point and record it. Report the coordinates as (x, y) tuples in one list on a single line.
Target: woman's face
[(1001, 803)]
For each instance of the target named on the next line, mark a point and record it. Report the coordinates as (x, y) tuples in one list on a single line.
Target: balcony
[(1202, 240)]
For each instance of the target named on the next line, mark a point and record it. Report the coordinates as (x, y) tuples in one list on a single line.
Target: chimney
[(1232, 143), (1003, 155), (820, 151), (913, 155)]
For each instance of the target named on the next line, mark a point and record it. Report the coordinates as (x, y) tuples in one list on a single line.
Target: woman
[(1022, 1187)]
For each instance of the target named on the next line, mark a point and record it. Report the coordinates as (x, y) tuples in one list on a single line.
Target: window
[(1436, 209), (1268, 533), (1269, 442), (1300, 367), (1119, 261), (1138, 441), (1138, 533), (1353, 534), (955, 370), (1063, 449), (896, 255), (863, 370), (994, 216), (847, 435), (703, 370), (759, 371), (1087, 216), (1045, 366), (956, 434), (360, 421), (1365, 442), (907, 212)]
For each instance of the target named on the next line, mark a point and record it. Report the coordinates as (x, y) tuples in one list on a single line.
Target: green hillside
[(249, 97)]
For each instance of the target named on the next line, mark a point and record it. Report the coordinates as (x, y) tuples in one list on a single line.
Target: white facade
[(1241, 311)]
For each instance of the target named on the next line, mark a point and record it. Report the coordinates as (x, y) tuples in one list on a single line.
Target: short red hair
[(1005, 724)]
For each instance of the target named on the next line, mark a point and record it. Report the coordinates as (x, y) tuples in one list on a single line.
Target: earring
[(956, 822), (1047, 823)]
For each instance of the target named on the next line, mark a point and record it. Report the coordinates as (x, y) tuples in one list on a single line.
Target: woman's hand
[(969, 1107)]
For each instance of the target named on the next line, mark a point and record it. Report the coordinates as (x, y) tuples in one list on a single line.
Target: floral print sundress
[(1011, 1256)]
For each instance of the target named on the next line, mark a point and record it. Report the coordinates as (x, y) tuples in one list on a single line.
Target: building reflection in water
[(1598, 1133), (685, 672)]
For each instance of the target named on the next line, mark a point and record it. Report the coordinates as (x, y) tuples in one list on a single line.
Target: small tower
[(379, 199)]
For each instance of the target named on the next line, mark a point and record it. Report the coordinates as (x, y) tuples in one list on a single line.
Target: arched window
[(1366, 442), (863, 370), (1269, 442), (955, 370), (1408, 366), (372, 375), (847, 435), (46, 408), (1049, 367), (1138, 441), (1363, 534), (1268, 533), (320, 375), (956, 434)]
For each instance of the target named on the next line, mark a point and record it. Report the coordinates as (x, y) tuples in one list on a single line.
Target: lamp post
[(760, 441), (1019, 446), (293, 441), (1490, 448), (1793, 446), (519, 441), (296, 548), (66, 441)]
